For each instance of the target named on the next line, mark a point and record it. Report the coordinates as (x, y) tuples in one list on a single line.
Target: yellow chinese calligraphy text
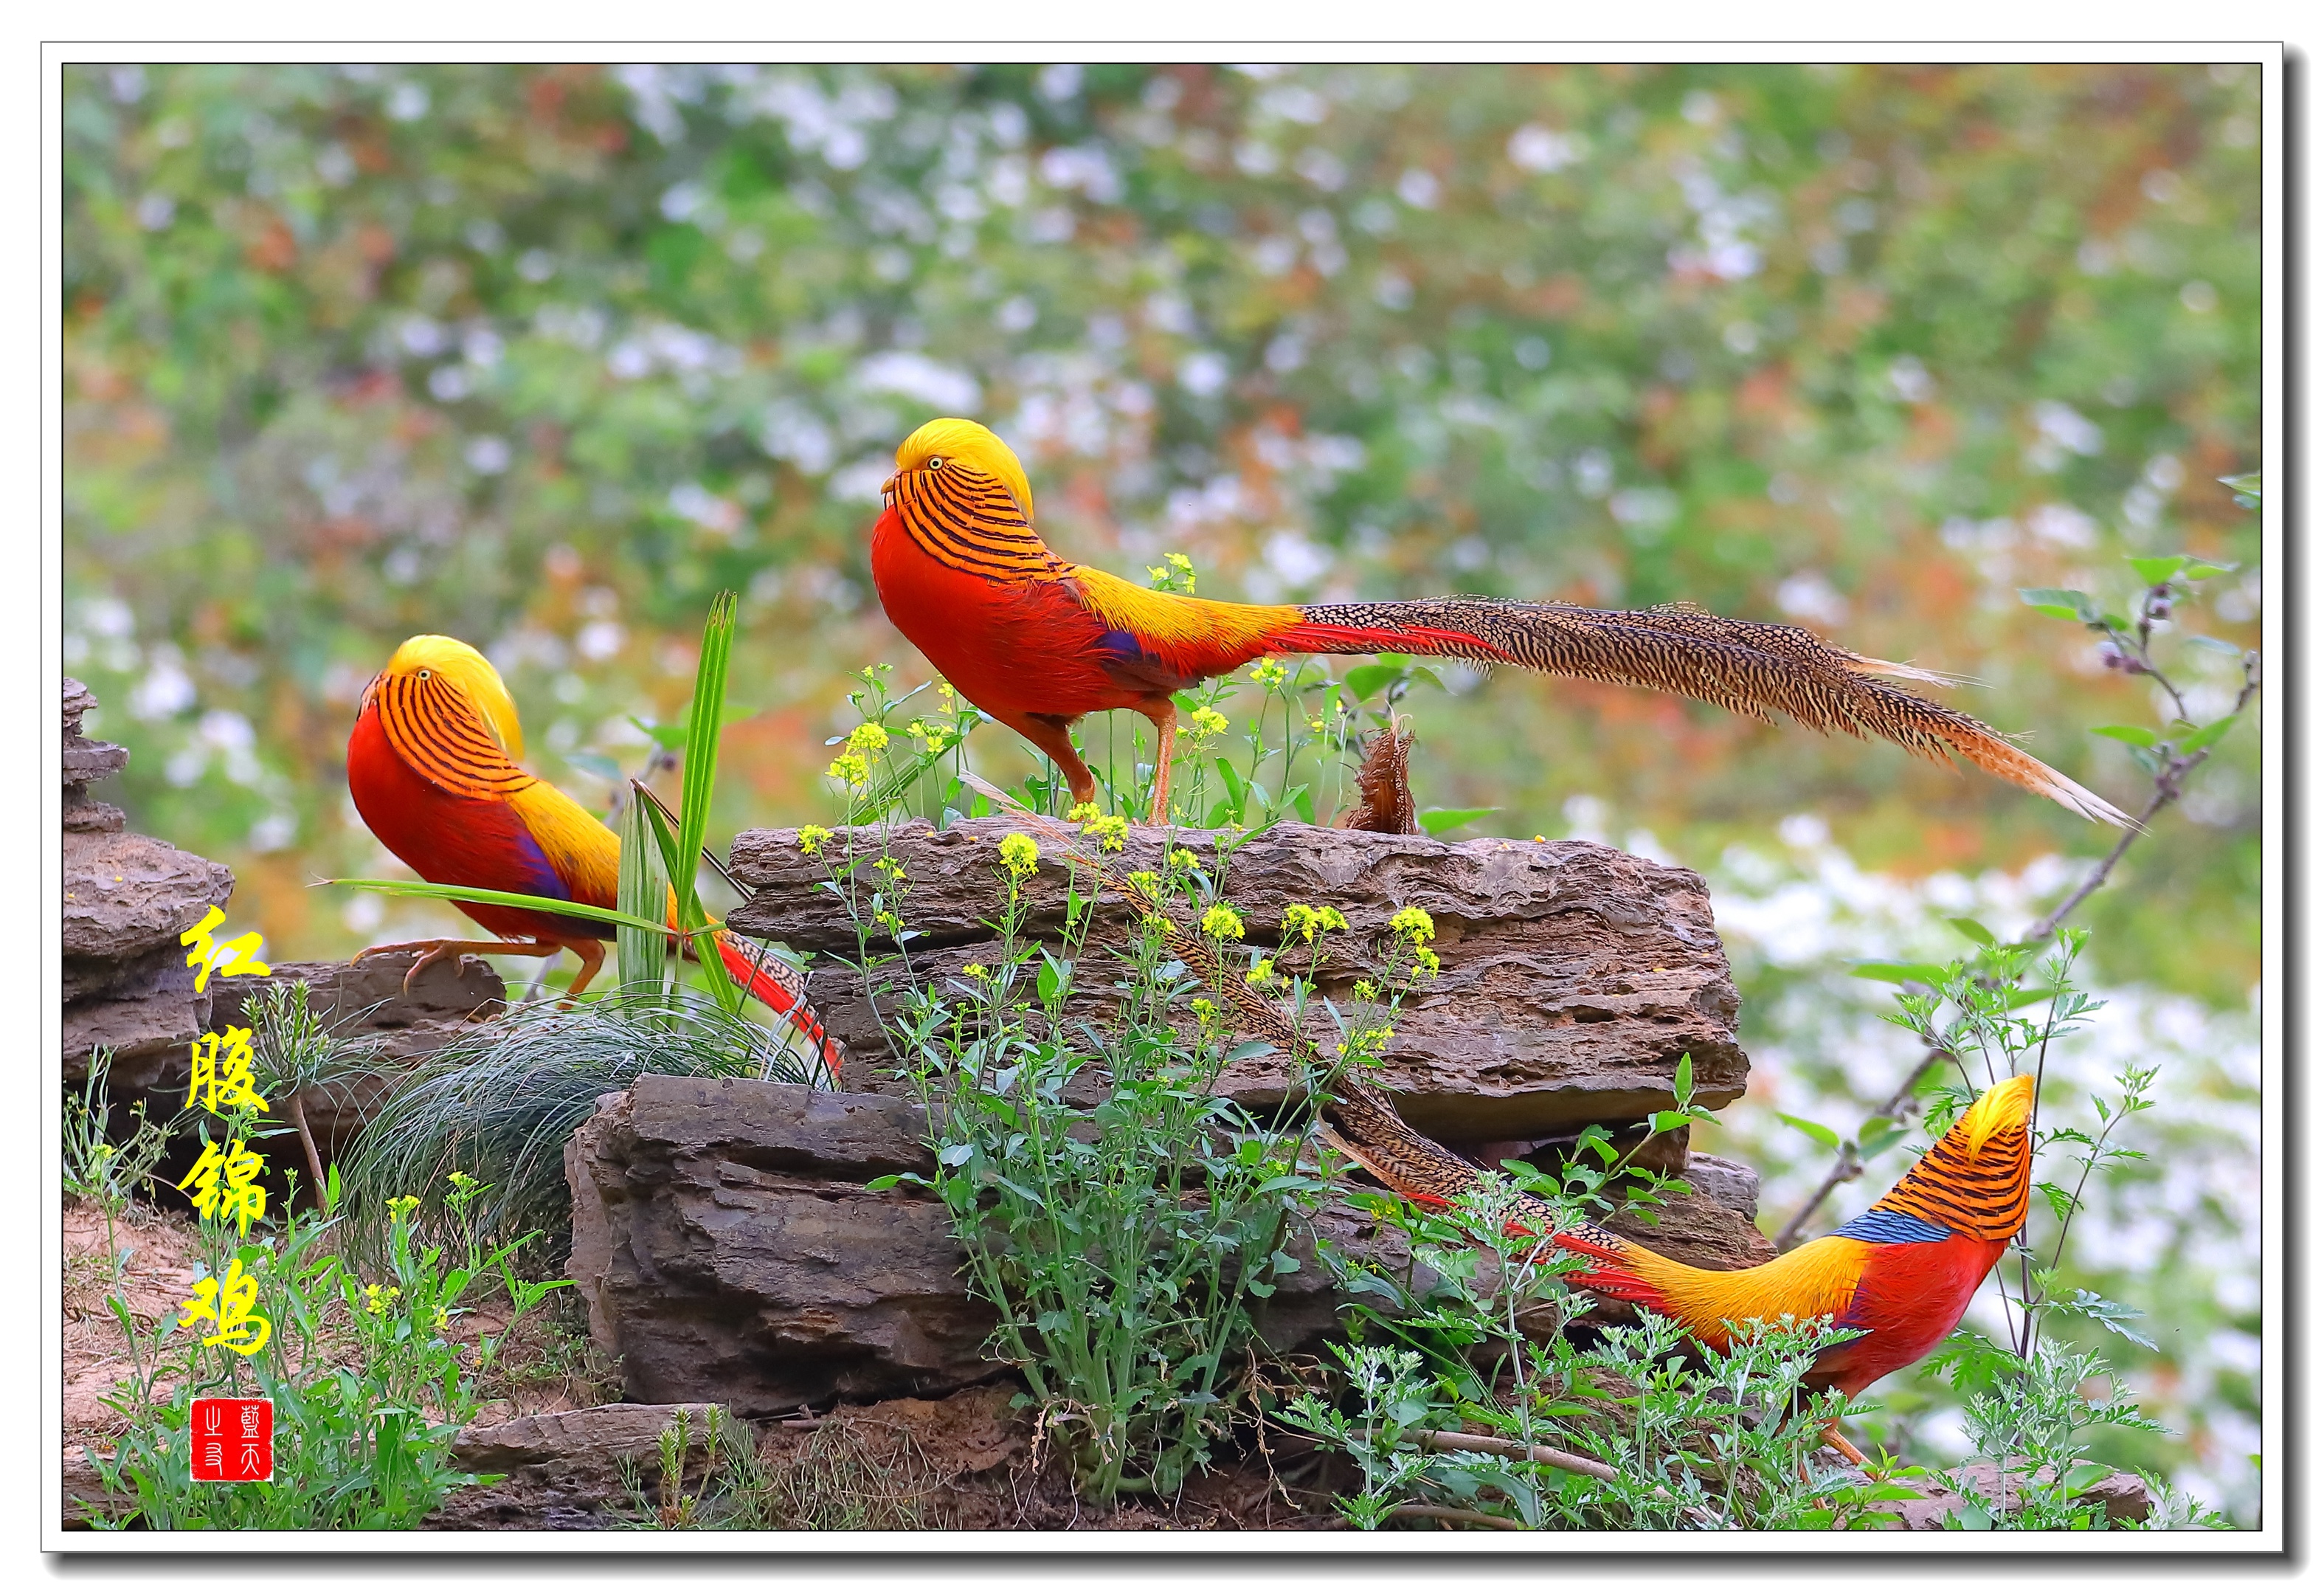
[(226, 1303), (222, 1072), (238, 955), (224, 1182)]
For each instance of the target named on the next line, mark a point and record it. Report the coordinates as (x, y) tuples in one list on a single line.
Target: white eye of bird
[(424, 674), (937, 464)]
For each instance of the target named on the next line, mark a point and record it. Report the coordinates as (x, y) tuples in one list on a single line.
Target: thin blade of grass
[(641, 959), (701, 769), (504, 899)]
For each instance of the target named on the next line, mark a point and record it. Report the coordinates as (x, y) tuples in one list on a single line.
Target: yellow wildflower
[(1261, 973), (1426, 964), (1081, 813), (1180, 562), (1304, 922), (811, 839), (376, 1300), (1180, 858), (1208, 721), (851, 769), (1110, 830), (399, 1209), (1021, 853), (867, 737), (1269, 672), (976, 970), (1222, 922), (1413, 922)]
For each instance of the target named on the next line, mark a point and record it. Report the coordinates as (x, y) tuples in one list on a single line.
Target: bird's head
[(964, 445), (2004, 1107), (467, 672)]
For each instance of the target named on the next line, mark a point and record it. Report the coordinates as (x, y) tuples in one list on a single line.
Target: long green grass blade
[(501, 899), (640, 959), (701, 768), (705, 949)]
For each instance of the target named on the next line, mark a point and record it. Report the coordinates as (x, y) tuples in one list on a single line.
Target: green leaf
[(1665, 1119), (2245, 487), (641, 959), (2154, 572), (1365, 680), (2198, 740), (2086, 1475), (1826, 1138), (1233, 784), (1053, 977), (1974, 931), (1927, 974), (2137, 735), (2063, 603), (2199, 571), (1873, 1145), (1683, 1081), (1437, 820), (501, 899), (2213, 644), (700, 772)]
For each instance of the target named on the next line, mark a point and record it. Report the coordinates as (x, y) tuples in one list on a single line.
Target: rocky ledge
[(1574, 976), (729, 1252)]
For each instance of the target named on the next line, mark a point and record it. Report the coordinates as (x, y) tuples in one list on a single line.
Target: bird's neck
[(964, 525)]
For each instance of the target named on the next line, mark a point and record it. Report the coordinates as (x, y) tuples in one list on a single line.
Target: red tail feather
[(1318, 636)]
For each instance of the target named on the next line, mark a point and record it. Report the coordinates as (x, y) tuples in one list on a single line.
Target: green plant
[(1122, 1244), (368, 1384), (98, 1171), (294, 1053)]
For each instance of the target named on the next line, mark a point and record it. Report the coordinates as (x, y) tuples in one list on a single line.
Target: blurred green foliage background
[(543, 356)]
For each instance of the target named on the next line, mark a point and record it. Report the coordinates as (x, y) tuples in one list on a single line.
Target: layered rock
[(127, 898), (1574, 976), (728, 1250)]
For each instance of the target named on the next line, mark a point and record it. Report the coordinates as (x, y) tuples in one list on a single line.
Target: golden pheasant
[(432, 768), (1038, 641), (1899, 1276)]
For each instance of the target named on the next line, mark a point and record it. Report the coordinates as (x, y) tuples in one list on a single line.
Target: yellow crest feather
[(967, 443), (2004, 1106), (473, 674)]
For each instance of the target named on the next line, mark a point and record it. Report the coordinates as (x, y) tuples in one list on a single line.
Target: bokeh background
[(543, 356)]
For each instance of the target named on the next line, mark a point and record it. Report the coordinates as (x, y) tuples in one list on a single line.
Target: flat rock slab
[(728, 1250), (563, 1469), (1574, 976), (126, 894)]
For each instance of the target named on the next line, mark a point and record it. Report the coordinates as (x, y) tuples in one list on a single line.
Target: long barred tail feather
[(1744, 666), (771, 981)]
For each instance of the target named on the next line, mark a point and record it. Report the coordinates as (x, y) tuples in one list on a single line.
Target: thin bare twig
[(1448, 1514), (1433, 1439)]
